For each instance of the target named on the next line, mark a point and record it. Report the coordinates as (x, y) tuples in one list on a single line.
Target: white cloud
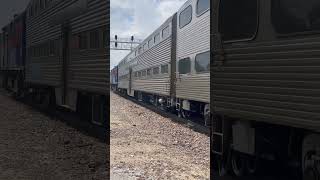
[(138, 18)]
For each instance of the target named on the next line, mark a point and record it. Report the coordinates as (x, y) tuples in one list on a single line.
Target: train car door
[(65, 58), (69, 95)]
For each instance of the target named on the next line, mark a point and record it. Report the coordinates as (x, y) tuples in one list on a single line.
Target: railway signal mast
[(124, 43)]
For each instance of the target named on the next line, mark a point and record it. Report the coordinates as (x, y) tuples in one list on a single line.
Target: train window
[(94, 40), (185, 66), (150, 43), (148, 72), (165, 32), (238, 19), (145, 46), (139, 74), (164, 69), (202, 62), (295, 16), (155, 70), (202, 6), (185, 17), (157, 38), (83, 41)]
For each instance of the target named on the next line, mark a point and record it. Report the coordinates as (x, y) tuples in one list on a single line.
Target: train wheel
[(311, 157), (252, 165), (310, 174), (238, 164), (185, 114)]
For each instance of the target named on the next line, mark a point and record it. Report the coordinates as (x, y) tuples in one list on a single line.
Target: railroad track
[(193, 124), (69, 118)]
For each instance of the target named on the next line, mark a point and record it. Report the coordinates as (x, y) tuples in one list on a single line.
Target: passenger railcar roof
[(148, 37)]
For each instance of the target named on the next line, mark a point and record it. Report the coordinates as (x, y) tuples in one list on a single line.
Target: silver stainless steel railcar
[(171, 66), (66, 42), (193, 58), (123, 75), (150, 66), (266, 86)]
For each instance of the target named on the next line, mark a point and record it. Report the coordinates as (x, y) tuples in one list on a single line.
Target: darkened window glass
[(148, 72), (165, 32), (185, 17), (238, 19), (157, 38), (202, 63), (185, 66), (139, 74), (156, 70), (202, 6), (164, 69), (292, 16), (94, 40)]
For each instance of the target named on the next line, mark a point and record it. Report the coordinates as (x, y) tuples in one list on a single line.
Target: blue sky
[(139, 18)]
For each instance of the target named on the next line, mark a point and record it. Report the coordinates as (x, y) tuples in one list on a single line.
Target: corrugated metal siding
[(157, 85), (123, 83), (38, 30), (156, 56), (191, 40), (275, 82), (89, 69), (194, 87)]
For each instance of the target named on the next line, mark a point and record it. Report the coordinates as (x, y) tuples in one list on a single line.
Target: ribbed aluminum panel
[(276, 82), (39, 30), (123, 82), (158, 85), (156, 56), (193, 39), (88, 69)]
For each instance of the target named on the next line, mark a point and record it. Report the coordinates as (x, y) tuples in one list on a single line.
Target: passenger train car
[(13, 53), (265, 87), (61, 49), (114, 78), (170, 68)]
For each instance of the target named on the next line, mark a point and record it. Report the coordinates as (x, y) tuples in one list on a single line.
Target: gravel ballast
[(37, 147), (146, 145)]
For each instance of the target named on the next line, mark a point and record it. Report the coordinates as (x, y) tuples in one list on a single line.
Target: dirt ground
[(145, 145), (36, 147)]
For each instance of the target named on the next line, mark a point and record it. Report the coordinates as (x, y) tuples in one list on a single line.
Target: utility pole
[(127, 44)]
